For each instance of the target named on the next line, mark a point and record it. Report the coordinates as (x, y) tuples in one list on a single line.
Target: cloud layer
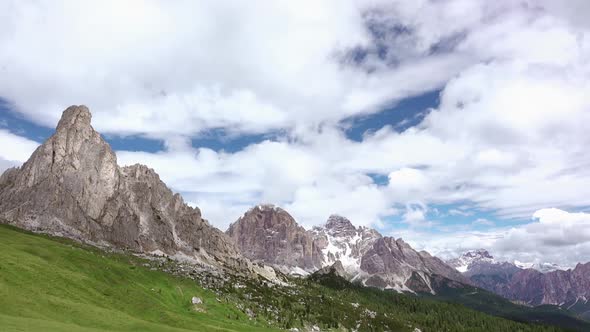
[(554, 236), (509, 135)]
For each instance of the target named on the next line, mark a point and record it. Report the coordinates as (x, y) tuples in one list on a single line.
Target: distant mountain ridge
[(269, 234), (339, 240), (527, 285)]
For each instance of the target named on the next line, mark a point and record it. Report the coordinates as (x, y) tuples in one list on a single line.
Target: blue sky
[(453, 124)]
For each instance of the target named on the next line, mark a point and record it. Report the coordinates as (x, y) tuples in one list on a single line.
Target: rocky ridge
[(339, 240), (470, 259), (526, 285), (270, 235), (394, 264), (72, 186)]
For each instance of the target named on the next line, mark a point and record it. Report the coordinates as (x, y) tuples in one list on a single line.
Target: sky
[(455, 125)]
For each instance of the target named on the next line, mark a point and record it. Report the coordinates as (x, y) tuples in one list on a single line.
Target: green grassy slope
[(52, 284), (49, 285)]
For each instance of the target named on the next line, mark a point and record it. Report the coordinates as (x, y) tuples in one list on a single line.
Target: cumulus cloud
[(162, 68), (14, 149), (554, 236), (510, 134)]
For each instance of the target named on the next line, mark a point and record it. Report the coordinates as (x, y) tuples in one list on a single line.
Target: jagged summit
[(470, 259), (478, 253), (531, 283), (339, 224), (72, 186), (270, 234), (75, 117)]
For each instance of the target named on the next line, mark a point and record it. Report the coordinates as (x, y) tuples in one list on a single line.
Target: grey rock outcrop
[(392, 263), (269, 234), (530, 286), (339, 240), (72, 186), (336, 269), (535, 288)]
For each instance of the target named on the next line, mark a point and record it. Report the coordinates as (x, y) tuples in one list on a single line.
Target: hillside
[(57, 285), (53, 284)]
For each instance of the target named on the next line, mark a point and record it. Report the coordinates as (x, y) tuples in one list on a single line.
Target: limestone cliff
[(72, 186)]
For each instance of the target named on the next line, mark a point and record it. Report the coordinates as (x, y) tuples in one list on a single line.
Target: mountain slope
[(392, 263), (556, 287), (471, 259), (270, 235), (57, 285), (72, 186), (53, 284), (490, 303), (530, 286), (339, 240)]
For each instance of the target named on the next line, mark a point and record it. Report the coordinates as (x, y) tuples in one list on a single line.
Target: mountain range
[(270, 235), (72, 187), (566, 288)]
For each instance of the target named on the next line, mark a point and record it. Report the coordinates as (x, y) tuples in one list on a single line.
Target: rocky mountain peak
[(479, 253), (72, 186), (394, 264), (471, 258), (75, 117), (270, 234), (339, 225)]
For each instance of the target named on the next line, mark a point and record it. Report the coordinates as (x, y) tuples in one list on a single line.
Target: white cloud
[(460, 212), (169, 68), (555, 236), (510, 134), (483, 222), (415, 216), (14, 149)]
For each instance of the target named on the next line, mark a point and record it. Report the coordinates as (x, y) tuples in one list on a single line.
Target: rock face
[(392, 263), (556, 287), (269, 234), (340, 240), (72, 186), (336, 268), (471, 259), (529, 286)]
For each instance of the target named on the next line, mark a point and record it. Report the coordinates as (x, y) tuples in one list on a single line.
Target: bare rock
[(72, 186), (392, 263), (340, 240), (335, 269), (269, 234), (556, 287)]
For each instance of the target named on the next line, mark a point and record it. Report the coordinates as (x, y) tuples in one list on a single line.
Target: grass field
[(54, 284), (57, 285)]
